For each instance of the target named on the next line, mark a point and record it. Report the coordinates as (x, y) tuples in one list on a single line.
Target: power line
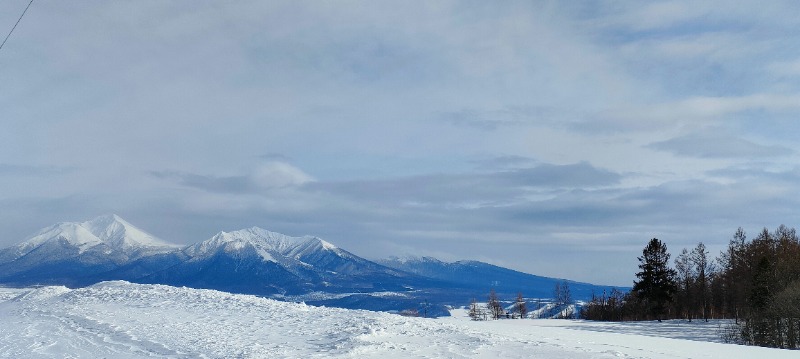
[(15, 25)]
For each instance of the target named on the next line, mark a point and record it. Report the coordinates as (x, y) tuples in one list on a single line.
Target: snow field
[(124, 320)]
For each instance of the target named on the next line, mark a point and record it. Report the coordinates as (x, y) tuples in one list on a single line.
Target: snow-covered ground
[(123, 320)]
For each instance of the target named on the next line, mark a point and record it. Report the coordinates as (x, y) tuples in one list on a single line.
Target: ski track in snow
[(123, 320)]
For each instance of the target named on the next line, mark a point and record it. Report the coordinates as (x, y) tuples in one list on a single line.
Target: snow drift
[(124, 320)]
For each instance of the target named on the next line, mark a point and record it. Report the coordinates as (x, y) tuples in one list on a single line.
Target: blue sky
[(553, 137)]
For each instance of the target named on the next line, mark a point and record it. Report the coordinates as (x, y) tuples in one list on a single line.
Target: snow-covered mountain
[(108, 234), (125, 237), (251, 261), (74, 253), (481, 276), (258, 261), (290, 252)]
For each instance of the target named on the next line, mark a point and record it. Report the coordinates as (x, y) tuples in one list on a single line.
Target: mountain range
[(257, 261)]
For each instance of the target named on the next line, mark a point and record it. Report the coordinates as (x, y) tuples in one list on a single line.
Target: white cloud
[(279, 174), (718, 146), (689, 113)]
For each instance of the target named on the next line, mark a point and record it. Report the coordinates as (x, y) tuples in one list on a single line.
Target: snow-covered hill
[(483, 276), (124, 320)]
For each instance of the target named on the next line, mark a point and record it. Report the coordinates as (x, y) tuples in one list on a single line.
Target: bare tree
[(520, 307), (562, 293), (685, 279), (495, 309), (563, 299)]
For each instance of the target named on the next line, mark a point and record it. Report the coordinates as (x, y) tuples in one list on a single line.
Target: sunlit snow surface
[(123, 320)]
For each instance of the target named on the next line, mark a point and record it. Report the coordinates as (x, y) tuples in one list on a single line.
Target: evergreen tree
[(656, 283), (703, 268)]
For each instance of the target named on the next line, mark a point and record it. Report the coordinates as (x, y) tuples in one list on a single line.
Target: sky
[(551, 137)]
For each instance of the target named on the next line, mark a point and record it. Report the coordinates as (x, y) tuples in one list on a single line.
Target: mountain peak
[(267, 244), (109, 230), (107, 220), (120, 234), (278, 241)]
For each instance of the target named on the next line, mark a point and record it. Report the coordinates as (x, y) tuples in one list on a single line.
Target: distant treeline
[(755, 282)]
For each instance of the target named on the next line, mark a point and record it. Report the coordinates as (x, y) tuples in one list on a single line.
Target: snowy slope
[(123, 320), (123, 236), (73, 234)]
